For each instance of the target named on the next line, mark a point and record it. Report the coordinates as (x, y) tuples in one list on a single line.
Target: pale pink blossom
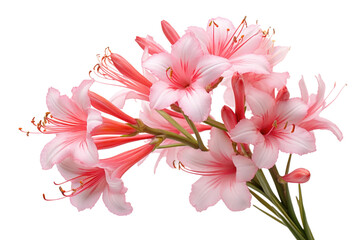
[(89, 183), (316, 104), (72, 120), (183, 76), (223, 174), (300, 175), (273, 127), (238, 45)]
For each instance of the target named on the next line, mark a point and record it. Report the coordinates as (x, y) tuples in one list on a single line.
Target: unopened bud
[(300, 175), (228, 117), (283, 94), (169, 32)]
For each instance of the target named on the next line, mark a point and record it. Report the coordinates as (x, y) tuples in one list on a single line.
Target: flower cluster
[(258, 117)]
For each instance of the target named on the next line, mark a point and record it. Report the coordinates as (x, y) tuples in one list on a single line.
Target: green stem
[(279, 186), (213, 123), (171, 145), (197, 134), (176, 125)]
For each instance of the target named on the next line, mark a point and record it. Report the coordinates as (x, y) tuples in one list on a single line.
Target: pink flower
[(223, 174), (300, 175), (183, 76), (87, 185), (273, 127), (72, 120), (238, 45), (316, 104)]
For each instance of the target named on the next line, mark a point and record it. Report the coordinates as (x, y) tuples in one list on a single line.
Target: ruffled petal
[(245, 132), (196, 103), (85, 151), (235, 195), (245, 168), (94, 119), (80, 94), (162, 95), (88, 197), (265, 154), (205, 192), (322, 123), (114, 197)]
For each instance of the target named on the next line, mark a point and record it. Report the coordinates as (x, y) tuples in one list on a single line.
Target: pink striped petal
[(220, 144), (292, 111), (158, 65), (205, 192), (295, 140), (195, 103), (162, 95), (265, 154), (245, 168), (251, 63), (80, 94), (210, 69), (322, 123), (235, 195), (245, 132)]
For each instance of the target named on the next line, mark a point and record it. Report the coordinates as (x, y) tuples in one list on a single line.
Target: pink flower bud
[(149, 43), (283, 94), (300, 175), (229, 117), (239, 94), (169, 32)]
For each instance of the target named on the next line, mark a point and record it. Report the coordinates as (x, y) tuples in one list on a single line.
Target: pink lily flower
[(273, 127), (72, 120), (316, 104), (89, 183), (238, 45), (183, 76), (223, 174)]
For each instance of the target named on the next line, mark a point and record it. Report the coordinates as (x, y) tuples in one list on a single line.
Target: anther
[(293, 128), (286, 124)]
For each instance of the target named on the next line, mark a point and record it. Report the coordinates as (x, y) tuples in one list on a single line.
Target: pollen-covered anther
[(293, 128), (286, 124), (169, 72)]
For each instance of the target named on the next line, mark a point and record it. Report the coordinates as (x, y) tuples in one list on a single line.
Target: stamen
[(293, 128), (286, 124)]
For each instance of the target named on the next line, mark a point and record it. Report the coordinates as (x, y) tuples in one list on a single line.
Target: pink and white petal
[(121, 96), (205, 192), (292, 111), (158, 65), (210, 69), (196, 103), (187, 51), (251, 63), (219, 31), (62, 107), (265, 154), (88, 197), (245, 132), (270, 81), (253, 36), (94, 119), (260, 102), (303, 90), (235, 195), (201, 35), (84, 150), (322, 123), (114, 197), (295, 140), (245, 168), (80, 94), (220, 144), (277, 54), (55, 151), (198, 160), (162, 95)]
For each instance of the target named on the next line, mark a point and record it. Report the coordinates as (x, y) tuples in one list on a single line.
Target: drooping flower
[(72, 120), (316, 104), (183, 76), (223, 174), (273, 127), (89, 183)]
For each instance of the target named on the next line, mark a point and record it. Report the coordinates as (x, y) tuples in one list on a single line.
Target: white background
[(48, 43)]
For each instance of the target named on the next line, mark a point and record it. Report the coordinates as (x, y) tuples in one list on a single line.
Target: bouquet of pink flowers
[(258, 120)]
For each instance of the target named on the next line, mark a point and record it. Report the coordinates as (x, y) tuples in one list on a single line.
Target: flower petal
[(220, 144), (201, 35), (162, 95), (94, 119), (196, 103), (210, 69), (260, 102), (235, 195), (251, 63), (245, 132), (85, 151), (245, 168), (55, 151), (292, 111), (80, 94), (322, 123), (114, 197), (295, 140), (265, 153), (158, 65), (205, 192)]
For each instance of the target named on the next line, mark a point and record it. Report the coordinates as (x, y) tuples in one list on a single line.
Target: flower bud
[(229, 117), (169, 32), (300, 175)]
